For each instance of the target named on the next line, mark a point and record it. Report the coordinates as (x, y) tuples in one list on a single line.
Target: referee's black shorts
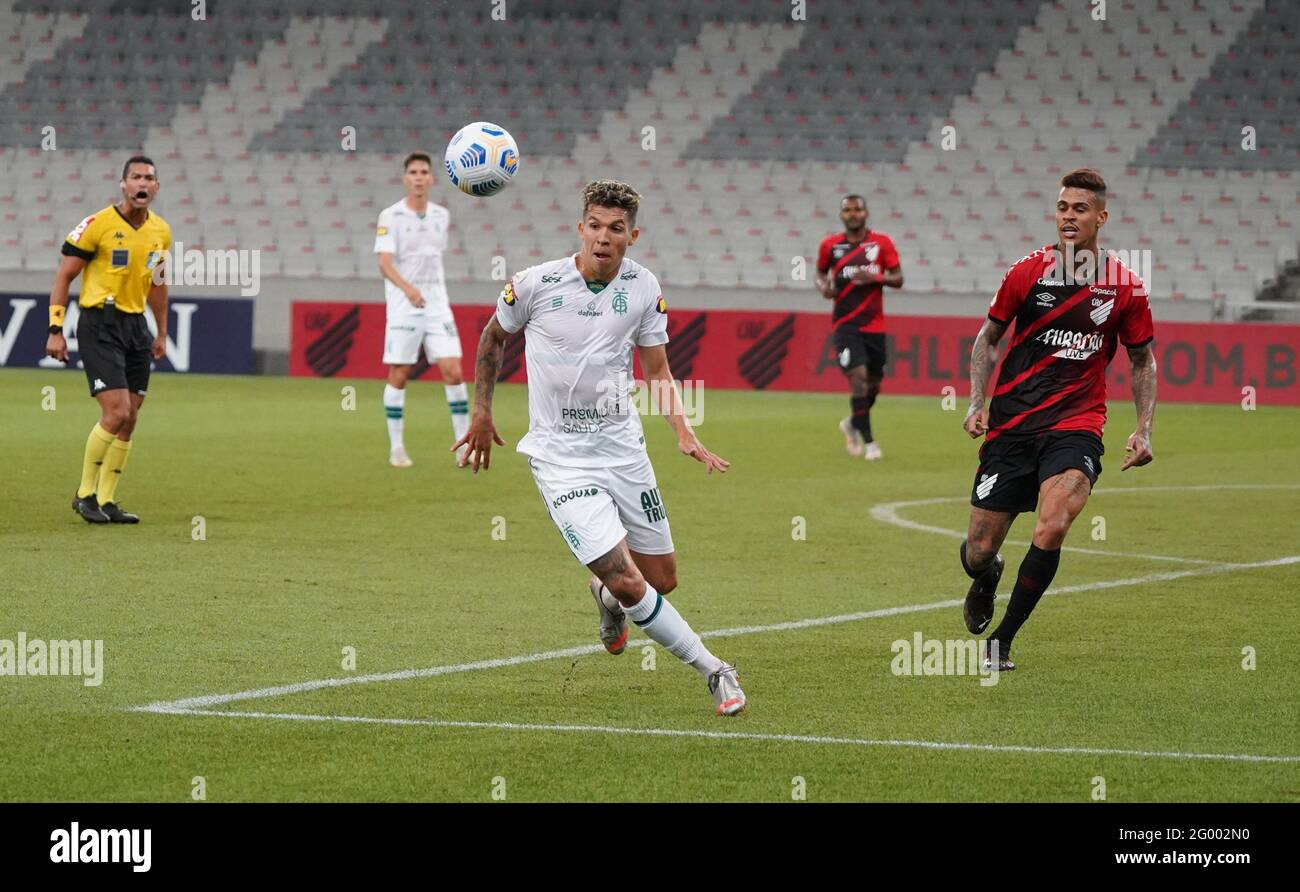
[(116, 349)]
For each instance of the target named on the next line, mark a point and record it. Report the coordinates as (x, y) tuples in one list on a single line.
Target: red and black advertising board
[(750, 350)]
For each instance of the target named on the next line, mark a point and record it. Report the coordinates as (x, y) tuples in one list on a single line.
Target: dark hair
[(611, 194), (137, 159), (853, 197), (1086, 178), (417, 156)]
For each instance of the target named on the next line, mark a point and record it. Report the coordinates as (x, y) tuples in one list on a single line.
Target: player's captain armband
[(662, 306), (508, 294), (381, 231), (75, 235)]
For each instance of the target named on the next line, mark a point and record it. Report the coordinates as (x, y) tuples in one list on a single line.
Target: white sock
[(458, 403), (661, 621), (394, 408)]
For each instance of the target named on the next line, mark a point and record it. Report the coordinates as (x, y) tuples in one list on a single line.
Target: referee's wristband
[(57, 312)]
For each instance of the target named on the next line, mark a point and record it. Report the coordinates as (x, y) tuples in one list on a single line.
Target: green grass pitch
[(313, 545)]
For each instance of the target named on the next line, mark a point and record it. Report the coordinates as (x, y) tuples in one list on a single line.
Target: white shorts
[(404, 333), (596, 508)]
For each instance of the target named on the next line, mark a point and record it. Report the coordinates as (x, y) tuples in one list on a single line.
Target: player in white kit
[(582, 316), (409, 240)]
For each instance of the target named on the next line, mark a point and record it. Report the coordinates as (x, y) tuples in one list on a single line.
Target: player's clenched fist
[(977, 421)]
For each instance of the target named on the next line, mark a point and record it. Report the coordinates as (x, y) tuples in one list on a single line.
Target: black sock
[(971, 571), (1035, 575), (862, 416)]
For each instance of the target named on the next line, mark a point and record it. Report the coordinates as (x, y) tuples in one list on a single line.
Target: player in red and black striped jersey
[(853, 268), (1071, 309)]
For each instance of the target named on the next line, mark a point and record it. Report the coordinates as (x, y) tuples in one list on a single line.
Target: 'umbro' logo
[(1045, 298)]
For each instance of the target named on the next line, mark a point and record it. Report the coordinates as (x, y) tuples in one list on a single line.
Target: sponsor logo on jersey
[(1102, 313), (569, 534), (1051, 282), (75, 235), (986, 484), (551, 280), (574, 494), (508, 295), (590, 309), (619, 303), (1059, 337), (630, 274), (1045, 299), (1111, 291)]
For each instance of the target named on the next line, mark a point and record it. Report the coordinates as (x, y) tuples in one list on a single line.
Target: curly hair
[(611, 194)]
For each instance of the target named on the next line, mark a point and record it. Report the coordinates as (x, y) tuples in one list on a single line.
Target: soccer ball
[(481, 159)]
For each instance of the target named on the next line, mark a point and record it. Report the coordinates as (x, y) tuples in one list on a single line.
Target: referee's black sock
[(1036, 573), (862, 416)]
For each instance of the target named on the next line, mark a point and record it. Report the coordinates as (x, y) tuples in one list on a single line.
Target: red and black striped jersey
[(859, 306), (1053, 375)]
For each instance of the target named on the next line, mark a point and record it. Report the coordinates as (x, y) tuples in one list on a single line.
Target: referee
[(122, 249)]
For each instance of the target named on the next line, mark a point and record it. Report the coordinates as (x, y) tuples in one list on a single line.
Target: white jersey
[(578, 347), (417, 244)]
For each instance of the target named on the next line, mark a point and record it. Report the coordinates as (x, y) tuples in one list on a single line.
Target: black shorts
[(1012, 468), (116, 349), (854, 348)]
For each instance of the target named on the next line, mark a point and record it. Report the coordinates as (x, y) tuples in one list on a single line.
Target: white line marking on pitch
[(749, 736), (209, 700), (888, 513)]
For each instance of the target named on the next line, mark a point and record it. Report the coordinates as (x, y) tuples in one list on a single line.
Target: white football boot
[(724, 685), (872, 452), (399, 459), (613, 622), (852, 437)]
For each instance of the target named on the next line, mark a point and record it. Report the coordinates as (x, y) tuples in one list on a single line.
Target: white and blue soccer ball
[(481, 159)]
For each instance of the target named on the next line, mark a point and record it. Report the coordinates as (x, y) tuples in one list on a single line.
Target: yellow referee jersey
[(121, 257)]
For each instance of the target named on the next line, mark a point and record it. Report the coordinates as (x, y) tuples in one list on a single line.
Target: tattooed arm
[(1138, 448), (482, 433), (983, 356)]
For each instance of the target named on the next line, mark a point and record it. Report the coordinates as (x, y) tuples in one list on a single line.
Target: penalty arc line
[(751, 736), (888, 513), (191, 704)]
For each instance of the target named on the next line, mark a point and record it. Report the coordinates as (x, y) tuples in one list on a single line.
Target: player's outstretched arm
[(663, 390), (482, 432), (983, 356), (56, 345), (1137, 450)]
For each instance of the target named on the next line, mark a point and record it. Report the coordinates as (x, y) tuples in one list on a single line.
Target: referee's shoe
[(88, 508)]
